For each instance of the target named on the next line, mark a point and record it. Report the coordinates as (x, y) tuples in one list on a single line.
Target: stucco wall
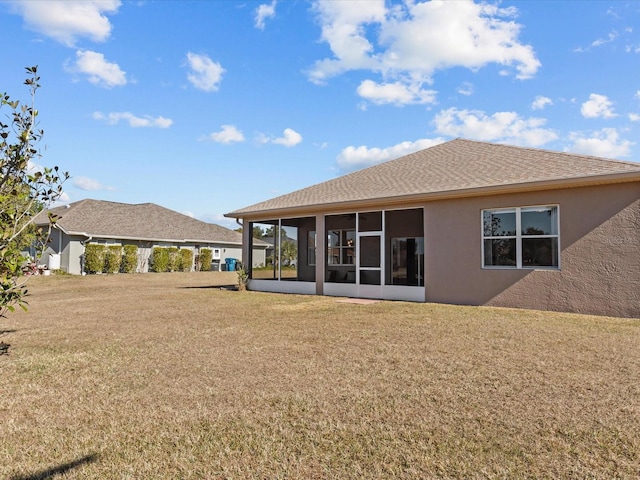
[(600, 253)]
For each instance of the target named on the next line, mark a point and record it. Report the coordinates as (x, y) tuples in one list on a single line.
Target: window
[(341, 247), (521, 237)]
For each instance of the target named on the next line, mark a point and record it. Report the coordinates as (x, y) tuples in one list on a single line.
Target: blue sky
[(204, 107)]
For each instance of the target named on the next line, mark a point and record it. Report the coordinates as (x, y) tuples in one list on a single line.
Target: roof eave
[(575, 182)]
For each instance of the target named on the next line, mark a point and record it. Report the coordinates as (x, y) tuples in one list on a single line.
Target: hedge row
[(171, 259), (110, 259), (115, 258)]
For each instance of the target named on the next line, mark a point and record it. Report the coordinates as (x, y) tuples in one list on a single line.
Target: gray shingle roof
[(145, 221), (455, 168)]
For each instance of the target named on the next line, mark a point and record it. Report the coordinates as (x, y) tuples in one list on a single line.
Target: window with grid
[(521, 237), (341, 246)]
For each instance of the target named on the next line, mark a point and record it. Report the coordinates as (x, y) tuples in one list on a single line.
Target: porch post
[(321, 252), (247, 257)]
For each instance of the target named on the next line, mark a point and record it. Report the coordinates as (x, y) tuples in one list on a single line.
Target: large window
[(521, 237)]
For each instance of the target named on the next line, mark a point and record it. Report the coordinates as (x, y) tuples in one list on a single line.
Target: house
[(145, 225), (467, 222)]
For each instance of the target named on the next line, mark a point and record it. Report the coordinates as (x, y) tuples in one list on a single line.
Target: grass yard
[(162, 376)]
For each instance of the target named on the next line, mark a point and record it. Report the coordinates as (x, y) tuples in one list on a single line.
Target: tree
[(25, 190), (289, 252)]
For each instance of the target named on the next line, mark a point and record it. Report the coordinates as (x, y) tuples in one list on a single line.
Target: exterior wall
[(599, 260), (71, 256)]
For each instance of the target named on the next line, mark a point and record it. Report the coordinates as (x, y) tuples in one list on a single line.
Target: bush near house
[(129, 259), (112, 258), (206, 255), (160, 259), (186, 259), (94, 258), (174, 259)]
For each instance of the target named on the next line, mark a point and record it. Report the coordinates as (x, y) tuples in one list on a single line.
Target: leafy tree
[(289, 252), (258, 232), (25, 190)]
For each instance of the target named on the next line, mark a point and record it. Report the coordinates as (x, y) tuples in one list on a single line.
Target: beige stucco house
[(145, 225), (466, 222)]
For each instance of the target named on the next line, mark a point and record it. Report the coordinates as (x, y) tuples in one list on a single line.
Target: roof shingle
[(455, 166), (145, 221)]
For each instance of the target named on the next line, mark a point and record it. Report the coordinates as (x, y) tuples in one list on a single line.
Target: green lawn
[(165, 376)]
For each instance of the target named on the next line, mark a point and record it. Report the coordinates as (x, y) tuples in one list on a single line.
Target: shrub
[(174, 259), (186, 259), (206, 254), (243, 278), (130, 259), (94, 258), (160, 259), (113, 258)]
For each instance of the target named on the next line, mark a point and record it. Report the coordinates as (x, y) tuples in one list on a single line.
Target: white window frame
[(342, 247), (519, 237)]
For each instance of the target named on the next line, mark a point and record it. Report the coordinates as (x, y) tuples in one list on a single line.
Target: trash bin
[(215, 266), (231, 264)]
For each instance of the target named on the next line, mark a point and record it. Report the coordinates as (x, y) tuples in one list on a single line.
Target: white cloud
[(136, 122), (601, 41), (396, 93), (406, 44), (466, 89), (634, 117), (89, 184), (290, 138), (263, 12), (205, 74), (353, 158), (598, 106), (507, 127), (603, 143), (67, 21), (541, 102), (98, 70), (228, 134)]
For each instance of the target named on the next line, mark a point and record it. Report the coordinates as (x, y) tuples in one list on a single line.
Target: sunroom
[(368, 254)]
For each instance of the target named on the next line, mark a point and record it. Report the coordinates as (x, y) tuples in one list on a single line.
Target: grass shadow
[(219, 287), (59, 470)]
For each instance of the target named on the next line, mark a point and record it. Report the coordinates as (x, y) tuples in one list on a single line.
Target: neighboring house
[(145, 225), (468, 222)]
